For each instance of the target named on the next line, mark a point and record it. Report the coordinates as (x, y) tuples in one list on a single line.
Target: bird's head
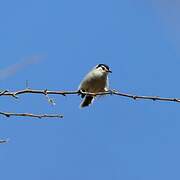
[(103, 68)]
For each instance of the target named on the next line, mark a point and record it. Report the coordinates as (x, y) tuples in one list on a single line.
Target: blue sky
[(115, 138)]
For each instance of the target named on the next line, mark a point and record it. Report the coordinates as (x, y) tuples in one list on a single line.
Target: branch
[(64, 93), (3, 141), (35, 91), (8, 114), (154, 98)]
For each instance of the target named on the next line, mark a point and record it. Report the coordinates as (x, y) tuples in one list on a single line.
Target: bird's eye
[(103, 68)]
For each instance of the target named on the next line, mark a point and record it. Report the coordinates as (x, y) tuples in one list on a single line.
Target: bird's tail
[(87, 101)]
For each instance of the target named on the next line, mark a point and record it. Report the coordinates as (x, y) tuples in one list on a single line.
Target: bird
[(95, 81)]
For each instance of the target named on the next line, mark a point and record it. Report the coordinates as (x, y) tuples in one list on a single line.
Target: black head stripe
[(100, 65)]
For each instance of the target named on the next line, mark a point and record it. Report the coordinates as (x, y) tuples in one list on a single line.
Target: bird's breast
[(96, 83)]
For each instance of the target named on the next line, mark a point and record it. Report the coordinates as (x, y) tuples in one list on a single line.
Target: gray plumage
[(95, 81)]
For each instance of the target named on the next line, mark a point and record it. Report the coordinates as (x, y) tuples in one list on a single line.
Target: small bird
[(95, 81)]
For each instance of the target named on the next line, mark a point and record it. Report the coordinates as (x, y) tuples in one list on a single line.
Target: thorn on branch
[(154, 99), (3, 92), (7, 115), (134, 97), (64, 94), (45, 92), (176, 100), (14, 96)]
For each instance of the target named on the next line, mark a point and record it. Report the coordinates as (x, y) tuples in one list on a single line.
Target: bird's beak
[(109, 71)]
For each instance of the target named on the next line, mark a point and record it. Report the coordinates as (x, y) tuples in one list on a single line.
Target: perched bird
[(95, 81)]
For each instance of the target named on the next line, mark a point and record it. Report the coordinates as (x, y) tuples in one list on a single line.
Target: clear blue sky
[(116, 138)]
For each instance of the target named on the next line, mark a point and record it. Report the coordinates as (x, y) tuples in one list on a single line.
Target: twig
[(3, 141), (64, 93), (8, 114)]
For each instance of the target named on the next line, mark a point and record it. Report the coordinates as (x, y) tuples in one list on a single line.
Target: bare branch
[(8, 114), (3, 141), (32, 91), (64, 93), (154, 98)]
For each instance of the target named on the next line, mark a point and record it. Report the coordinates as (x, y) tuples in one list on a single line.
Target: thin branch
[(8, 114), (64, 93), (33, 91), (3, 141), (154, 98)]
